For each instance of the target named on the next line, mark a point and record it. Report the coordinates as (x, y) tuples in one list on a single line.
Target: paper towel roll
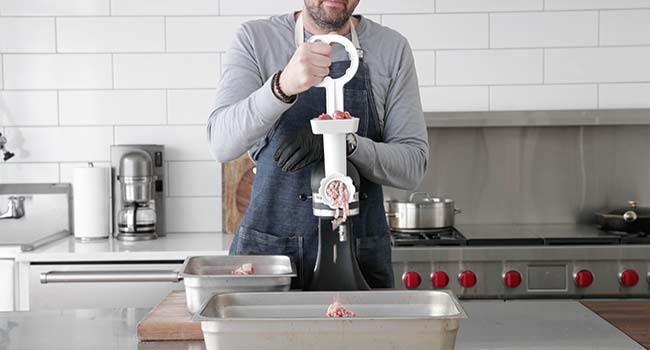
[(90, 189)]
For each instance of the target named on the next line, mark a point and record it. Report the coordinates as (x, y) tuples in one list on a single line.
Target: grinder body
[(337, 268)]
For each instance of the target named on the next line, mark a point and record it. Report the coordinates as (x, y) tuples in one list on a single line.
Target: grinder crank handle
[(334, 87)]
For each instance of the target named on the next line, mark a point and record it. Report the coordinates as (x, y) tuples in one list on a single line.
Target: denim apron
[(279, 220)]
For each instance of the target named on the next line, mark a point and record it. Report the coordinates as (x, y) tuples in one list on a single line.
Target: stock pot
[(421, 211)]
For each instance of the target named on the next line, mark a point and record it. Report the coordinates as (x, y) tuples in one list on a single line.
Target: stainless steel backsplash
[(537, 174)]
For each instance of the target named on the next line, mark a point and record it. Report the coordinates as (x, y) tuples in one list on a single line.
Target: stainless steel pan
[(203, 276), (421, 212), (414, 320)]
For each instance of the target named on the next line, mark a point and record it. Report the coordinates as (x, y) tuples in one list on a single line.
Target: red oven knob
[(411, 280), (628, 278), (439, 279), (467, 279), (512, 279), (583, 278)]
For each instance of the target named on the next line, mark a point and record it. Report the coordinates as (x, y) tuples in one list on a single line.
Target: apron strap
[(299, 34)]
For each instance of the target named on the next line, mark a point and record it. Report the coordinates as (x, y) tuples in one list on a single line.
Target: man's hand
[(307, 68), (300, 151)]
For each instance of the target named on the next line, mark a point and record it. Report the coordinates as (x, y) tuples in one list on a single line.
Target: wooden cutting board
[(631, 317), (237, 184), (169, 320)]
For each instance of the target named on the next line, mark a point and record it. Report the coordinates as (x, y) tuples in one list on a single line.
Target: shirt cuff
[(269, 107)]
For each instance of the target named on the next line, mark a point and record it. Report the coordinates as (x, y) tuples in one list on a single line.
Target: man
[(265, 102)]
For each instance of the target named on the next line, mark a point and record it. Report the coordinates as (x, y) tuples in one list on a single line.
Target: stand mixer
[(336, 265)]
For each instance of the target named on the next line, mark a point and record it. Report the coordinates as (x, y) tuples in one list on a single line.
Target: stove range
[(427, 238), (523, 261)]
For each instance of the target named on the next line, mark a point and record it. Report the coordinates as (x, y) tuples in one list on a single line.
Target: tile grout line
[(543, 66), (489, 96), (598, 30), (453, 49), (56, 35), (619, 82), (165, 33), (435, 68), (543, 10), (58, 109), (112, 73), (489, 31), (167, 107)]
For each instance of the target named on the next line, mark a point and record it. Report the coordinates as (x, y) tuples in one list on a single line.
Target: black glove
[(300, 151)]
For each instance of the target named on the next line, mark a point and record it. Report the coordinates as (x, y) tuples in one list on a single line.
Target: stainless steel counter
[(536, 325)]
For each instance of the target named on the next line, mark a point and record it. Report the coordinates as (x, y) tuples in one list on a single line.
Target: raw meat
[(245, 269), (341, 115), (337, 115), (336, 310), (337, 194)]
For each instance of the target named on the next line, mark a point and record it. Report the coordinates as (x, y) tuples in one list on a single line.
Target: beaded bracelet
[(278, 91)]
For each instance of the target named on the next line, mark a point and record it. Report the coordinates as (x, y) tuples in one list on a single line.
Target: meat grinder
[(336, 265)]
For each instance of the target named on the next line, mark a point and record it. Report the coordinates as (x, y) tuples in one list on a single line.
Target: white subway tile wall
[(455, 98), (487, 67), (548, 97), (29, 172), (166, 70), (625, 27), (189, 107), (447, 31), (200, 179), (19, 34), (77, 76), (112, 107), (110, 34), (543, 29), (425, 64), (28, 108), (57, 71), (488, 5)]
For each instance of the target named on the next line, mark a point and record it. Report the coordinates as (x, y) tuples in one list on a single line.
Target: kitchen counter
[(536, 325), (174, 246)]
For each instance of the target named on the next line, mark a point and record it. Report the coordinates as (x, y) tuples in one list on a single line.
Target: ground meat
[(336, 191), (337, 115), (337, 194), (245, 269), (336, 310)]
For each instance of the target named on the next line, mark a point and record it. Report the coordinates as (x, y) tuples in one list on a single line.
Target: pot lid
[(423, 199), (632, 207)]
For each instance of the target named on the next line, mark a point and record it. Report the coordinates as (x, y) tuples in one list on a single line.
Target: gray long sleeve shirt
[(246, 109)]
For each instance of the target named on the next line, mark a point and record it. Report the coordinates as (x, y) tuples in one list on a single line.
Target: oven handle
[(110, 276)]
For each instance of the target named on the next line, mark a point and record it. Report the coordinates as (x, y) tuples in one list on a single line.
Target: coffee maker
[(138, 198)]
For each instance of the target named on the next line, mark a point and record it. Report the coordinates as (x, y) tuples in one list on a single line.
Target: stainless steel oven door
[(99, 294)]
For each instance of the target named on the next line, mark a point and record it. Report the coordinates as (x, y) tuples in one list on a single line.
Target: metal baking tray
[(414, 320), (205, 276)]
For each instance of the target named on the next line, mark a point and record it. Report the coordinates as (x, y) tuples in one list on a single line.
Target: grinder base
[(337, 268)]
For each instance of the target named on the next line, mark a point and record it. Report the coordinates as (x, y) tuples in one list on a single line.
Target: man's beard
[(319, 14)]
